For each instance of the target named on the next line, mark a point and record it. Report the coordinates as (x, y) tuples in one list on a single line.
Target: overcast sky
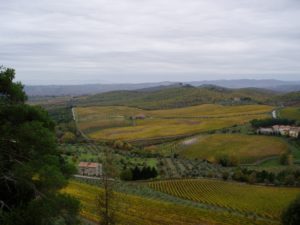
[(76, 41)]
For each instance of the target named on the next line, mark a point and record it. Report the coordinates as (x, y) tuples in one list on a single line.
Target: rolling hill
[(94, 88), (178, 96), (289, 99)]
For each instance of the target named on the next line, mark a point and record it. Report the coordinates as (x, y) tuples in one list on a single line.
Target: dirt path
[(274, 114), (190, 141), (76, 125)]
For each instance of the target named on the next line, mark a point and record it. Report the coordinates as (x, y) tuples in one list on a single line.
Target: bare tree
[(106, 201)]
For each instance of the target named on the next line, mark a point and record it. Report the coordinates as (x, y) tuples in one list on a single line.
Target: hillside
[(85, 89), (292, 113), (116, 123), (289, 99), (176, 97), (212, 192), (151, 210), (244, 148), (90, 89)]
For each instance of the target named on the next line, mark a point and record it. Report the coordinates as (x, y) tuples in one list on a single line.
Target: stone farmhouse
[(266, 131), (138, 117), (90, 169), (295, 132), (289, 131)]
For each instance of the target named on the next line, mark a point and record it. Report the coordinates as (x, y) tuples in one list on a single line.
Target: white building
[(294, 132), (267, 131), (284, 130)]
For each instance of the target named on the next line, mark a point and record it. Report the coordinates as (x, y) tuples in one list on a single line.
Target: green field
[(137, 210), (246, 148), (113, 122), (263, 201), (292, 113)]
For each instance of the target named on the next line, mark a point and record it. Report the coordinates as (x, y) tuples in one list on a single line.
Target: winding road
[(274, 114)]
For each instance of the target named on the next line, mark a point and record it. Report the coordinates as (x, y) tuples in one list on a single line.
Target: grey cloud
[(150, 40)]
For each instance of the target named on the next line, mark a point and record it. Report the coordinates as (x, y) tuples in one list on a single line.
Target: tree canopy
[(271, 122), (10, 91), (31, 168), (291, 216)]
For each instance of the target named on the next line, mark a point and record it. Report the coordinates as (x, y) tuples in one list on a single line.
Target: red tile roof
[(88, 164)]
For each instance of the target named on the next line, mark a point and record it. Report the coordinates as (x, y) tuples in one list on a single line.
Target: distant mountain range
[(90, 89), (276, 85)]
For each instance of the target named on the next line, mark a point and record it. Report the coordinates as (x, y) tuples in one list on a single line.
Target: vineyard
[(245, 148), (136, 210), (115, 122), (267, 202), (292, 113)]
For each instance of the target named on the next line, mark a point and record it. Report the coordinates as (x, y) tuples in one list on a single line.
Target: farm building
[(236, 99), (267, 131), (138, 117), (90, 169), (284, 130), (294, 132), (276, 129)]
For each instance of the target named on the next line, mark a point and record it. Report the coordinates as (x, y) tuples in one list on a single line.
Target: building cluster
[(290, 131)]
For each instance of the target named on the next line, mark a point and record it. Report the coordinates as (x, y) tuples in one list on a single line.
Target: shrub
[(68, 137), (144, 173), (291, 216), (286, 159), (252, 178), (127, 146), (126, 175), (227, 161), (118, 144), (225, 175), (289, 180)]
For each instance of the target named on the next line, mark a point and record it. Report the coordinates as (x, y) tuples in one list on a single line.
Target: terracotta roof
[(88, 164), (295, 129)]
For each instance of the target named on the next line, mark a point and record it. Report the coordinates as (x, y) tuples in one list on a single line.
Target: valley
[(212, 166)]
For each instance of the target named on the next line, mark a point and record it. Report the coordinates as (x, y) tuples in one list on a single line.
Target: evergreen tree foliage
[(291, 216), (31, 168), (144, 173)]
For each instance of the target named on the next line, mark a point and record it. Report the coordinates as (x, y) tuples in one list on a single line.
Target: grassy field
[(246, 148), (264, 201), (113, 122), (291, 113), (136, 210)]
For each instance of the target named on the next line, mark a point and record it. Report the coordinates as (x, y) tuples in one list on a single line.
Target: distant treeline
[(271, 122), (285, 177)]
